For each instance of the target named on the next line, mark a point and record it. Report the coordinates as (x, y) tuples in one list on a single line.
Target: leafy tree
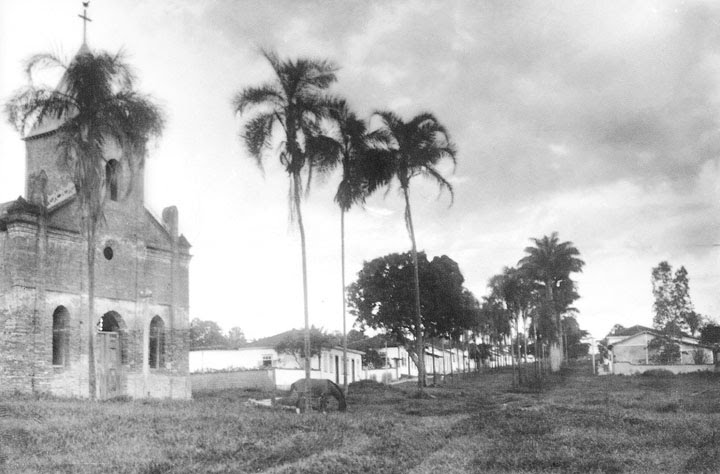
[(663, 288), (206, 334), (372, 359), (681, 296), (289, 109), (695, 322), (550, 263), (515, 291), (354, 336), (674, 313), (616, 329), (99, 109), (235, 337), (383, 297), (479, 352), (573, 338), (414, 148), (495, 321), (710, 334), (294, 344)]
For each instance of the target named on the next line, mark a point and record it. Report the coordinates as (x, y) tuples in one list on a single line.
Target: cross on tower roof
[(85, 21)]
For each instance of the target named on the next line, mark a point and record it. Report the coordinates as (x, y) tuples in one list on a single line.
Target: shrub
[(664, 351), (661, 373), (699, 357)]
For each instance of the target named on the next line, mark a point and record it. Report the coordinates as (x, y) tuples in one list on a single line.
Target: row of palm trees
[(317, 132), (539, 289)]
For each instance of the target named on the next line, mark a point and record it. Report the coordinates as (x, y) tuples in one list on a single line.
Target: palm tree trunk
[(92, 384), (344, 317), (416, 274), (296, 198), (556, 317), (517, 346)]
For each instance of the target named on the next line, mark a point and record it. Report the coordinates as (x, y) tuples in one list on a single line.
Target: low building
[(633, 351), (438, 360), (283, 368)]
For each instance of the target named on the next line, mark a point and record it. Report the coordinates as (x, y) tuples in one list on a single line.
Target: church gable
[(147, 228)]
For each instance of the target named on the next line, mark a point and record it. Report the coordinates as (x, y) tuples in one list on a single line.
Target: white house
[(261, 354), (446, 361), (632, 352)]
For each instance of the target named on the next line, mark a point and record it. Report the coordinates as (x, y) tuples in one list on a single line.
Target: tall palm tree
[(289, 109), (363, 172), (414, 148), (96, 106), (550, 263)]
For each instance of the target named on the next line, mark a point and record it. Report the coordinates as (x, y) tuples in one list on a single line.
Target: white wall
[(201, 361), (252, 358)]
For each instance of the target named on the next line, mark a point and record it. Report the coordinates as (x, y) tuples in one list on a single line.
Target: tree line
[(529, 306), (209, 335)]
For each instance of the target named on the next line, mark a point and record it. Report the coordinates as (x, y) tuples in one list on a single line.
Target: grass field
[(578, 423)]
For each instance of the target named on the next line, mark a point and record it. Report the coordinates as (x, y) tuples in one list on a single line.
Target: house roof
[(631, 331), (272, 341), (688, 340)]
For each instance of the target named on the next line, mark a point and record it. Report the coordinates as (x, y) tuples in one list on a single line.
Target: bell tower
[(122, 181)]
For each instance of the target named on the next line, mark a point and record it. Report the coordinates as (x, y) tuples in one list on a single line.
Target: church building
[(141, 321)]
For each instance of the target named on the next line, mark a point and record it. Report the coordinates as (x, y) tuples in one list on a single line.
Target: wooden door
[(108, 365)]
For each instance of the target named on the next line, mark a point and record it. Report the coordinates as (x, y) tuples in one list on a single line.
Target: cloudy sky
[(596, 119)]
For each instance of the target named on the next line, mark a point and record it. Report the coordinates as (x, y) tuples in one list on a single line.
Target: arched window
[(111, 179), (61, 337), (157, 343)]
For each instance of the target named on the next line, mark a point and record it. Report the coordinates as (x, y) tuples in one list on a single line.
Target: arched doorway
[(109, 355)]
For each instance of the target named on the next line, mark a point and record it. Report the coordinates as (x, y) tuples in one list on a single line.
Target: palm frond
[(266, 94), (322, 152), (258, 135), (429, 170), (32, 106), (42, 61)]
